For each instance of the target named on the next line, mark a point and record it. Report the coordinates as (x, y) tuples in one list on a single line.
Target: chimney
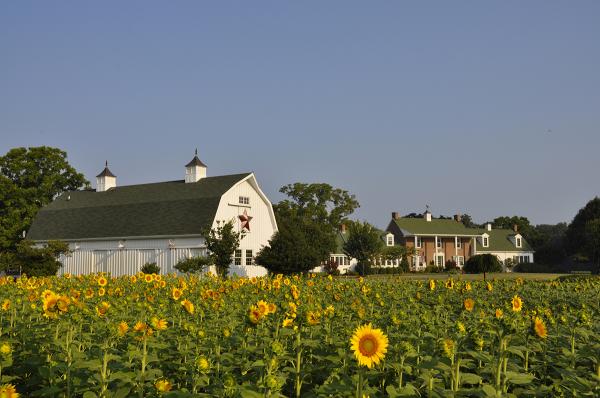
[(457, 217), (488, 226), (195, 170), (105, 180), (395, 215), (343, 228), (516, 228)]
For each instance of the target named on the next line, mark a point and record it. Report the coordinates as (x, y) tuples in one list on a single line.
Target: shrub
[(192, 265), (532, 268), (432, 269), (150, 268), (331, 267), (450, 265), (483, 263)]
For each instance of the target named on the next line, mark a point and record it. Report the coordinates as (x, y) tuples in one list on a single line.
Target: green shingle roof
[(500, 241), (166, 208), (420, 226)]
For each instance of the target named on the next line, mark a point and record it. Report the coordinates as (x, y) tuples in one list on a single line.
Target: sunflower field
[(298, 336)]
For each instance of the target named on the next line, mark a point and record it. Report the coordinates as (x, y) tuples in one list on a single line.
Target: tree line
[(308, 221)]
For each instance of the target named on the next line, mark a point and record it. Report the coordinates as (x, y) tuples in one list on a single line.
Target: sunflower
[(123, 328), (159, 324), (449, 284), (102, 309), (102, 281), (254, 315), (188, 305), (540, 328), (448, 346), (6, 305), (101, 291), (287, 322), (263, 307), (271, 308), (133, 279), (5, 349), (163, 385), (490, 287), (499, 313), (8, 391), (312, 317), (202, 363), (177, 293), (431, 284), (369, 345), (148, 278), (517, 303), (469, 304)]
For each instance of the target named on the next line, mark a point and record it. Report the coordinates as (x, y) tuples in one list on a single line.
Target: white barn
[(119, 229)]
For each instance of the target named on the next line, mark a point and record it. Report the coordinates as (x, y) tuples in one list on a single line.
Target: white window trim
[(418, 242), (518, 242), (438, 243), (458, 243), (389, 240), (485, 241)]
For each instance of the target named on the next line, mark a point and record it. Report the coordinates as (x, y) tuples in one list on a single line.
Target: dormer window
[(244, 200), (485, 241), (390, 240), (518, 241)]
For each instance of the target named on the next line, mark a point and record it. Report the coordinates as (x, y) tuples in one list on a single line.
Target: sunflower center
[(367, 345)]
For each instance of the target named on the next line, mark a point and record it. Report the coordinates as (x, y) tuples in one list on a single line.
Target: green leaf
[(519, 378)]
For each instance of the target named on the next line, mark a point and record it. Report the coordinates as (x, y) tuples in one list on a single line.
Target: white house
[(119, 229)]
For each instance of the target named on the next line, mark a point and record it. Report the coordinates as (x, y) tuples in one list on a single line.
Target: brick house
[(438, 240)]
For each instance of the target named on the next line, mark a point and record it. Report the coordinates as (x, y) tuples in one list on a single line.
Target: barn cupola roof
[(106, 172), (195, 170), (106, 179)]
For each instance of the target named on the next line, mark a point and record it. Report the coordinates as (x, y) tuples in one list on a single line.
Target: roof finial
[(427, 207), (106, 163), (196, 152)]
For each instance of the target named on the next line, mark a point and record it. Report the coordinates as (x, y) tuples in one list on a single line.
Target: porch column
[(456, 246)]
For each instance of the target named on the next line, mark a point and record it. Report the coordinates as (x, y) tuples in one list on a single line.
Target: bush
[(450, 265), (483, 263), (532, 268), (192, 265), (150, 268), (432, 269), (331, 267)]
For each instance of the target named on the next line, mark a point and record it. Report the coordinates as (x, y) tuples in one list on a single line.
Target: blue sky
[(486, 108)]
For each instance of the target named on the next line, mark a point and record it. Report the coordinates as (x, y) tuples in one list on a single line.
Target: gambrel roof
[(160, 209)]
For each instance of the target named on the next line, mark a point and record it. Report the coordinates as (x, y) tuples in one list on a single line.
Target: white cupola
[(195, 170), (105, 180)]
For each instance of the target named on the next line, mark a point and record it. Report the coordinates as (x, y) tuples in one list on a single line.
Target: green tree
[(221, 243), (591, 246), (319, 202), (523, 225), (577, 229), (37, 261), (397, 252), (482, 263), (29, 179), (193, 265), (363, 244), (300, 245), (468, 221)]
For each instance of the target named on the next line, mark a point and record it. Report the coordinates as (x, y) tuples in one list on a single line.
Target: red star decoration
[(245, 219)]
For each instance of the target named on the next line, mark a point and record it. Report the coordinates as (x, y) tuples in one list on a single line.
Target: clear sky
[(486, 108)]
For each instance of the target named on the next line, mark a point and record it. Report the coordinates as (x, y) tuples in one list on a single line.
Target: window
[(523, 259), (518, 242), (460, 260), (249, 258), (439, 261), (459, 243), (238, 257), (439, 243), (390, 240), (244, 200), (419, 242), (485, 241)]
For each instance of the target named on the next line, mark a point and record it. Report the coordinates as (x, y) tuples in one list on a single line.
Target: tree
[(577, 229), (482, 263), (30, 178), (35, 261), (468, 221), (221, 243), (522, 223), (401, 253), (591, 245), (300, 245), (320, 202), (192, 265), (363, 244)]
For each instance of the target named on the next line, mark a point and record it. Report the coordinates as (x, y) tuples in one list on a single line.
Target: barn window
[(244, 200), (238, 257), (249, 258)]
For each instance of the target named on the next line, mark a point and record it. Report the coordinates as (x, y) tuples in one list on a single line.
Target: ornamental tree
[(363, 244), (221, 243)]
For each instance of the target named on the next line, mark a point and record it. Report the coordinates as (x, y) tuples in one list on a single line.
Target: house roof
[(195, 162), (159, 209), (420, 226), (500, 241)]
